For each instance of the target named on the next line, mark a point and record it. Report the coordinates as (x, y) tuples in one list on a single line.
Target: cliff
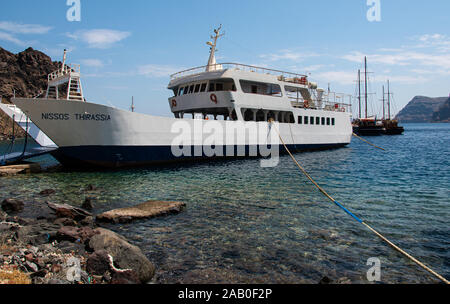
[(421, 109), (443, 114), (26, 73)]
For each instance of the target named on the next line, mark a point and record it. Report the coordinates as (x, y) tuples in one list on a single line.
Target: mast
[(212, 65), (365, 81), (359, 90), (389, 101), (132, 103), (64, 61), (384, 106)]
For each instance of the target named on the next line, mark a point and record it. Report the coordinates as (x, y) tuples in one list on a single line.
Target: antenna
[(212, 66), (132, 104)]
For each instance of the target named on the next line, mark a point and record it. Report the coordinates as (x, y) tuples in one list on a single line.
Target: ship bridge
[(244, 92)]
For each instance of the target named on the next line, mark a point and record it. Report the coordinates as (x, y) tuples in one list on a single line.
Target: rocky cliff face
[(26, 73), (421, 110), (443, 114)]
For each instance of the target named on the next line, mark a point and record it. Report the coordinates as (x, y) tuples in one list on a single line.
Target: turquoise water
[(247, 224)]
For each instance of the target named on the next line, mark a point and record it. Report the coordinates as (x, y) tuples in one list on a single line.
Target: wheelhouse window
[(197, 88), (328, 121), (333, 121), (203, 87), (318, 121), (311, 121), (306, 120), (261, 88), (323, 121), (300, 120), (222, 85)]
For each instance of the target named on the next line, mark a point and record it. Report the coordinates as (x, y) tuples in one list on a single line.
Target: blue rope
[(348, 212)]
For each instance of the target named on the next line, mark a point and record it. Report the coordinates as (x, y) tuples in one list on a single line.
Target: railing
[(237, 66), (67, 70)]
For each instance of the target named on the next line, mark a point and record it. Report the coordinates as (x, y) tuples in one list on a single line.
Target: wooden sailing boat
[(391, 126), (367, 126)]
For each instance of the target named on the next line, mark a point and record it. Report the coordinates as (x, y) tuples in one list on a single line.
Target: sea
[(248, 224)]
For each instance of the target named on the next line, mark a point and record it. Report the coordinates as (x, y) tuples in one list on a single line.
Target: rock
[(47, 192), (125, 277), (3, 216), (325, 281), (31, 266), (39, 274), (143, 211), (125, 255), (65, 222), (20, 169), (91, 188), (87, 205), (74, 234), (68, 211), (12, 205), (98, 263)]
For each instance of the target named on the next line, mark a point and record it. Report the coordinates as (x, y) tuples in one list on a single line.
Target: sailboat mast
[(389, 101), (365, 81), (384, 106), (359, 94)]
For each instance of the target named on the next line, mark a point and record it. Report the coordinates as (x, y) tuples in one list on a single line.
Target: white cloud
[(403, 58), (157, 71), (11, 38), (341, 77), (96, 63), (100, 38), (18, 28), (287, 55)]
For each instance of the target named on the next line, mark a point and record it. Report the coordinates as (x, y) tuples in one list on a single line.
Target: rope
[(368, 142), (358, 219)]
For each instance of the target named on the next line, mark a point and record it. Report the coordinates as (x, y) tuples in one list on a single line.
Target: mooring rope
[(366, 141), (358, 219)]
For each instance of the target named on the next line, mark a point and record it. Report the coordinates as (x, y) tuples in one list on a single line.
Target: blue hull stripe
[(128, 156)]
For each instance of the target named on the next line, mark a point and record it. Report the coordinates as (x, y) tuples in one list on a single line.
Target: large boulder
[(125, 255), (12, 205), (146, 210)]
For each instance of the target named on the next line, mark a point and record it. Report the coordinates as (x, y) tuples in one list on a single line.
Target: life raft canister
[(214, 98)]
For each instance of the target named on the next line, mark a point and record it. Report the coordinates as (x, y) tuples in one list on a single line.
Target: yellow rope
[(370, 228), (368, 142)]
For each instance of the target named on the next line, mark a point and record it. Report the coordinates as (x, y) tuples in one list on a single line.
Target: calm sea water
[(247, 224)]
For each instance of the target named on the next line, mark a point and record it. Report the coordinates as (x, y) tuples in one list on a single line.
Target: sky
[(130, 48)]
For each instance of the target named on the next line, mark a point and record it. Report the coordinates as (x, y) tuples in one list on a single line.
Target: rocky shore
[(65, 245)]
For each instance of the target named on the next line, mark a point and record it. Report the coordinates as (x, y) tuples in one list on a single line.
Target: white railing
[(67, 70), (237, 66)]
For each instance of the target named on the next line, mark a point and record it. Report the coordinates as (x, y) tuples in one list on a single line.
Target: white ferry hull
[(90, 134)]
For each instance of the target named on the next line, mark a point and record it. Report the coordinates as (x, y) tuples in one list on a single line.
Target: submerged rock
[(12, 205), (143, 211), (87, 205), (125, 255), (47, 192), (67, 211)]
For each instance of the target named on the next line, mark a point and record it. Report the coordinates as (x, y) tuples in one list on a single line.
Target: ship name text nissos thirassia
[(66, 116)]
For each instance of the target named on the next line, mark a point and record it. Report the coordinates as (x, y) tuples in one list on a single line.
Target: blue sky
[(129, 48)]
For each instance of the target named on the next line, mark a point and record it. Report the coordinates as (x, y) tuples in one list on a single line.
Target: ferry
[(224, 97)]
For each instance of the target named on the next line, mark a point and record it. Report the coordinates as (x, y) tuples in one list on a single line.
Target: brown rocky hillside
[(26, 73)]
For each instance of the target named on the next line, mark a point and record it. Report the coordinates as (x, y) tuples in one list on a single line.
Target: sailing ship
[(368, 126), (390, 126), (229, 96)]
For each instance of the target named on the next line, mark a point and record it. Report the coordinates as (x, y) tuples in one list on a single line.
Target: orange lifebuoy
[(306, 104), (174, 103), (214, 98)]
